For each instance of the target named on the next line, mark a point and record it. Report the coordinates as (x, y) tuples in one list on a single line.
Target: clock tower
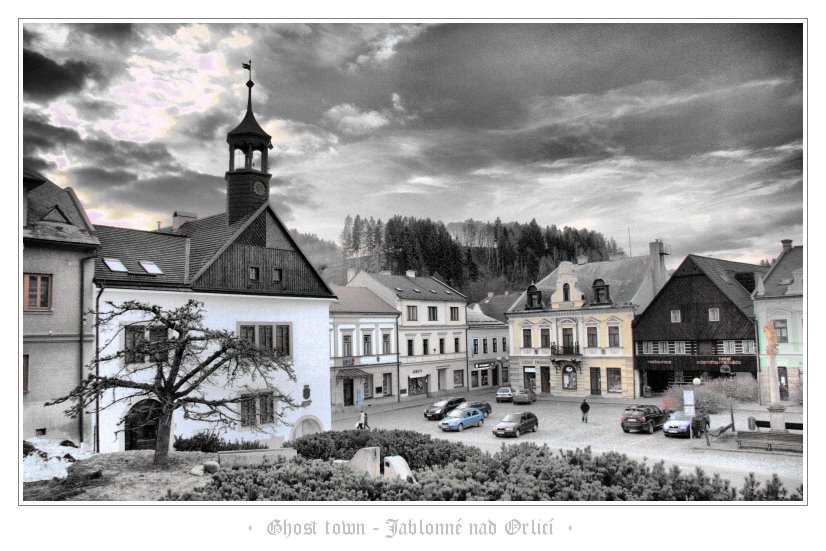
[(248, 185)]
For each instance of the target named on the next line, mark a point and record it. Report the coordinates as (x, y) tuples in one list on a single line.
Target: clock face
[(259, 188)]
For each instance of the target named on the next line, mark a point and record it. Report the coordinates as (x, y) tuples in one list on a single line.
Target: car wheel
[(485, 413), (517, 433), (480, 423), (650, 428), (625, 429), (461, 427), (535, 427)]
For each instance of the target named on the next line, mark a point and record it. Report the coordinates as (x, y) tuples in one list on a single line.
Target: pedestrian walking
[(363, 420), (584, 407)]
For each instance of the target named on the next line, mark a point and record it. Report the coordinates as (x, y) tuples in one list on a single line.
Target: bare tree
[(176, 365)]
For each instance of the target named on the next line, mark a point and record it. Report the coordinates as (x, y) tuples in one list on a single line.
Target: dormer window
[(566, 293), (534, 298), (115, 265), (150, 267), (254, 273), (601, 294)]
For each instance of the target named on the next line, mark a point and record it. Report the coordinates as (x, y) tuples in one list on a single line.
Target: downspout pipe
[(398, 364), (82, 327), (97, 366)]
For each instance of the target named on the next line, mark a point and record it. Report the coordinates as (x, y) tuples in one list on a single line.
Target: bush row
[(525, 472), (714, 396), (210, 442)]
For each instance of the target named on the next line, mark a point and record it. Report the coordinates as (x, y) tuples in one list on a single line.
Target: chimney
[(179, 218), (350, 275), (787, 244), (410, 273), (657, 251), (582, 259)]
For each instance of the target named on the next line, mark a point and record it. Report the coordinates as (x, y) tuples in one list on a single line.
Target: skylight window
[(448, 293), (150, 267), (398, 289), (115, 265), (433, 291), (418, 290)]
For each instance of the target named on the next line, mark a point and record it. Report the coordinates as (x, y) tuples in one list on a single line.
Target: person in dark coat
[(584, 407)]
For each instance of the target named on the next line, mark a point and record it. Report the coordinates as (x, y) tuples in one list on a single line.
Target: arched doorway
[(142, 425), (305, 426)]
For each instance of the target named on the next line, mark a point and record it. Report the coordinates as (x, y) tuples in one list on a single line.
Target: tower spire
[(250, 84)]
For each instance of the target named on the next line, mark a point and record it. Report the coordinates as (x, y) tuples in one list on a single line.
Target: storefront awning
[(351, 373)]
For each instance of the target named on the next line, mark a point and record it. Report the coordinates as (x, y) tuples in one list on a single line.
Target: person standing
[(363, 420), (584, 407)]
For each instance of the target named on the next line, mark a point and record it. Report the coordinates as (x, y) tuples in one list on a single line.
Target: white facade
[(487, 343), (308, 320)]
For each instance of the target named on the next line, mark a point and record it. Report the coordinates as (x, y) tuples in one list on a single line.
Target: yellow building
[(571, 332)]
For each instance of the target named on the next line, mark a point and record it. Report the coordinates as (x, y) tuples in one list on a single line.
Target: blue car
[(680, 423), (458, 419)]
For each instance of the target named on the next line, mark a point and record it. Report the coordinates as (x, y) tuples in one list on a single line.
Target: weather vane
[(248, 66)]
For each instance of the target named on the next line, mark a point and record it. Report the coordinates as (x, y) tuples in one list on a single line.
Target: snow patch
[(36, 467)]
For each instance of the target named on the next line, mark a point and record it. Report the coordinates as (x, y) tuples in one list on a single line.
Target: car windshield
[(505, 390), (441, 404), (679, 416), (522, 391), (456, 413), (633, 412), (463, 405), (511, 418)]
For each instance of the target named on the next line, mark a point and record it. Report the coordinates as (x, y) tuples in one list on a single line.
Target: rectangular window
[(458, 378), (432, 313), (679, 347), (25, 372), (248, 410), (676, 317), (569, 378), (385, 343), (647, 347), (456, 347), (484, 346), (387, 384), (526, 338), (504, 345), (781, 330), (614, 379), (494, 345), (277, 275), (425, 346), (254, 273), (441, 346), (282, 340), (728, 347), (454, 313), (475, 346), (367, 345), (591, 333), (346, 346), (135, 344), (409, 347), (474, 378), (265, 337), (545, 338), (37, 291), (368, 387), (713, 314), (248, 333), (266, 408), (613, 336), (748, 347), (158, 344), (662, 347), (412, 313)]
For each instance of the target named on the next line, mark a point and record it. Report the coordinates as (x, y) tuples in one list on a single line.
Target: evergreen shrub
[(210, 442)]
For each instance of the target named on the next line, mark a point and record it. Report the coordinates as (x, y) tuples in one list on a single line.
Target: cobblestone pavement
[(560, 427)]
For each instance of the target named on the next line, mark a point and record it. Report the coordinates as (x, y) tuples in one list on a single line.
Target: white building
[(364, 359), (487, 350), (252, 278), (432, 331)]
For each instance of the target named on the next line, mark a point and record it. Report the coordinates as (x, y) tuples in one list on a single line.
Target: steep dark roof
[(497, 305), (625, 276), (479, 319), (721, 273), (359, 300), (429, 288), (208, 235), (131, 246), (45, 197), (782, 271)]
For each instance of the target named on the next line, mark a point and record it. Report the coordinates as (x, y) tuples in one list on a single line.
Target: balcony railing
[(565, 349)]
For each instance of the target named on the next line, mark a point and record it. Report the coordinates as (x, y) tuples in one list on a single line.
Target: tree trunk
[(162, 440)]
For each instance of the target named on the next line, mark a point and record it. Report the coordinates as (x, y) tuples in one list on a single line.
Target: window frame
[(678, 318), (134, 339), (257, 408), (614, 331), (714, 314), (781, 330), (367, 344), (414, 310), (38, 292), (571, 377), (484, 346), (254, 273), (680, 347), (729, 347), (454, 313), (494, 345), (385, 343), (647, 347), (425, 345), (592, 331), (411, 347), (456, 346), (441, 346), (347, 346), (432, 313), (544, 337), (277, 275), (527, 337), (25, 380), (609, 371), (254, 328)]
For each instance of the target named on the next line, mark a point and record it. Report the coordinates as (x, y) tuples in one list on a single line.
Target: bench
[(767, 425), (771, 441)]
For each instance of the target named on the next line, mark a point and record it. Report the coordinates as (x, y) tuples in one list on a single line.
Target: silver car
[(505, 394), (524, 396)]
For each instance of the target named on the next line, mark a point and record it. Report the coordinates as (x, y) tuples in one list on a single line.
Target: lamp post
[(777, 420)]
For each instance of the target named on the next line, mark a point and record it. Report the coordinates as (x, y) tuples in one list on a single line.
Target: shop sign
[(483, 365), (348, 362)]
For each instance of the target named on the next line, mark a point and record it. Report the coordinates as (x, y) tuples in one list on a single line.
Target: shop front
[(657, 373), (484, 374)]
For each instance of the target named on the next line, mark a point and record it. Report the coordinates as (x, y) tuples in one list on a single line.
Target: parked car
[(505, 394), (680, 423), (484, 406), (442, 407), (643, 417), (514, 424), (524, 396), (460, 418)]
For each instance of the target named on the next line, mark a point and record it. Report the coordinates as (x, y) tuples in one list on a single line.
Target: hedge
[(210, 442)]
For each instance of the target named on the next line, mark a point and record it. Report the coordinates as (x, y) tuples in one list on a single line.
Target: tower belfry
[(248, 186)]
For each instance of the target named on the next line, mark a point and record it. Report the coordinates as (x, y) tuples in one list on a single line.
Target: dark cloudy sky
[(690, 133)]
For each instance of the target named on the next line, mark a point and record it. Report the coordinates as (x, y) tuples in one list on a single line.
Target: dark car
[(680, 423), (442, 407), (524, 396), (643, 418), (484, 406), (505, 394), (514, 424)]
